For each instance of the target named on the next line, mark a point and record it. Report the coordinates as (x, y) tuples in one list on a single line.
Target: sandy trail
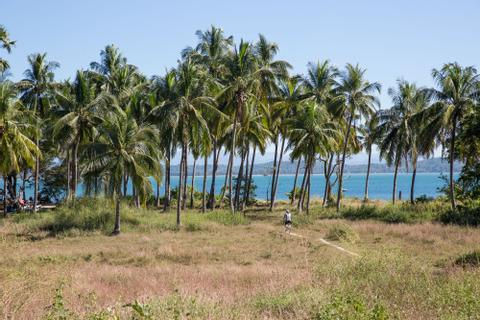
[(329, 244)]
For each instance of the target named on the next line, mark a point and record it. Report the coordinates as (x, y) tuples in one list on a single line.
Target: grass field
[(63, 265)]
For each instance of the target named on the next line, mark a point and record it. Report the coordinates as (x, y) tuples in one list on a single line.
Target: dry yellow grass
[(244, 271)]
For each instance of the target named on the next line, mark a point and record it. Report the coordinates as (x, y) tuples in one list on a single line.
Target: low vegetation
[(63, 264)]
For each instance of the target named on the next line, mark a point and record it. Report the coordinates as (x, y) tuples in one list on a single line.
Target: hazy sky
[(391, 39)]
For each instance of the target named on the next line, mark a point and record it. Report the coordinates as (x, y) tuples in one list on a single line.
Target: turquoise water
[(380, 186)]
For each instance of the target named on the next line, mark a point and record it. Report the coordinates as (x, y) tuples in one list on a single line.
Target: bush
[(463, 216), (350, 307), (342, 232), (471, 259)]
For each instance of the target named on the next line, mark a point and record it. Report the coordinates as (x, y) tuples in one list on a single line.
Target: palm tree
[(124, 147), (359, 101), (15, 145), (272, 71), (79, 109), (212, 48), (369, 139), (458, 91), (6, 44), (241, 82), (36, 92), (313, 134)]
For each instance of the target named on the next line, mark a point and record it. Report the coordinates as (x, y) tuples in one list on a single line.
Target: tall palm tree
[(359, 101), (15, 144), (457, 92), (37, 92), (6, 44), (369, 139), (313, 134), (124, 147), (79, 108), (242, 81), (395, 129)]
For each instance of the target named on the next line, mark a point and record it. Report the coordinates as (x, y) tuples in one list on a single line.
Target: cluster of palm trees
[(112, 126)]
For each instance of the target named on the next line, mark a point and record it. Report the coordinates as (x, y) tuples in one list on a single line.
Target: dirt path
[(328, 244)]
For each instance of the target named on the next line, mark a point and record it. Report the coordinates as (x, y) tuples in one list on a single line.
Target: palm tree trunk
[(232, 152), (166, 200), (279, 164), (452, 159), (204, 187), (292, 202), (250, 175), (211, 200), (397, 163), (185, 177), (245, 185), (326, 171), (118, 196), (274, 172), (308, 187), (5, 212), (125, 184), (180, 185), (75, 170), (342, 165), (157, 195), (193, 182), (69, 177), (365, 198), (36, 174), (412, 188), (24, 181), (224, 190), (239, 181), (302, 189)]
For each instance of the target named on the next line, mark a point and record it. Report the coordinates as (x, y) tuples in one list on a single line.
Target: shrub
[(350, 307), (471, 259), (464, 216), (342, 232)]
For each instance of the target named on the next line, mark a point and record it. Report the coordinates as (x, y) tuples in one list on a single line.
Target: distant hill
[(428, 165)]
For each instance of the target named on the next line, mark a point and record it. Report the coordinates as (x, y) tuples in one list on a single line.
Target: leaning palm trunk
[(245, 185), (342, 165), (192, 190), (204, 186), (166, 200), (308, 188), (24, 181), (225, 182), (249, 184), (302, 189), (397, 163), (274, 172), (279, 164), (365, 198), (292, 202), (211, 197), (452, 158), (185, 177)]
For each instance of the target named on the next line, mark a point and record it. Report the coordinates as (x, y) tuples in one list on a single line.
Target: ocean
[(380, 186)]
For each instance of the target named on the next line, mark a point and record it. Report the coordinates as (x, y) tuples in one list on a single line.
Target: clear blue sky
[(391, 39)]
